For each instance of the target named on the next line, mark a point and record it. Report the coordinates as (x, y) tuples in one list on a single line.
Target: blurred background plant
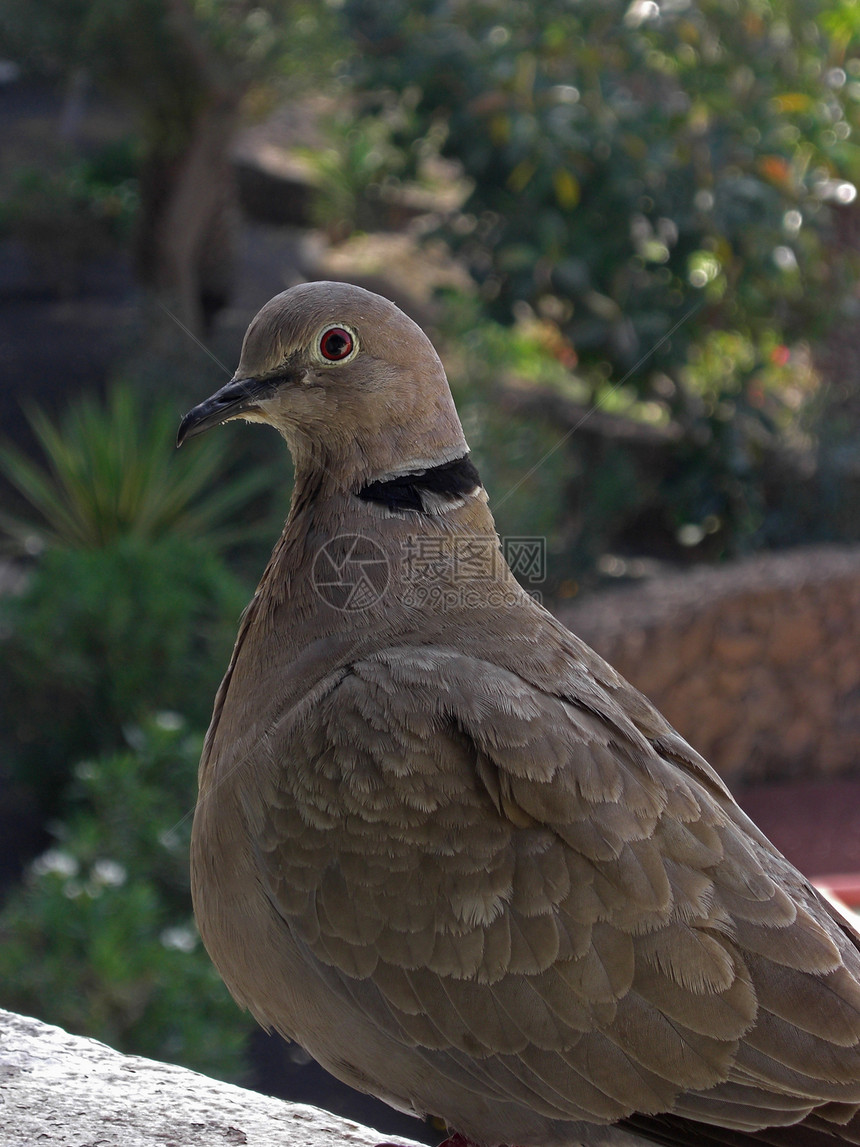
[(633, 163), (100, 637), (110, 470), (358, 165), (131, 605), (646, 178), (183, 71), (68, 215), (99, 936)]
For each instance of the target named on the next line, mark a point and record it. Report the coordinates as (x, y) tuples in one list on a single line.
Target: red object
[(336, 344), (816, 824), (780, 355), (844, 886)]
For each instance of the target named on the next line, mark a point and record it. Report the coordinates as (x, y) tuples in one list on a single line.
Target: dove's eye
[(336, 344)]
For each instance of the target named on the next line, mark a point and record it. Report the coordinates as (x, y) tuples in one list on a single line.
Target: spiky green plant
[(111, 471)]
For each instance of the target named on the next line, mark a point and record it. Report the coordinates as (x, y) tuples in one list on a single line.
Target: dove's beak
[(240, 398)]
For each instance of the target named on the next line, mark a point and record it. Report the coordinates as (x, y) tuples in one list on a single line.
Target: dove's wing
[(548, 908)]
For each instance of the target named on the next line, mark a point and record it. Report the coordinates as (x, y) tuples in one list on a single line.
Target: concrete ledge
[(57, 1088)]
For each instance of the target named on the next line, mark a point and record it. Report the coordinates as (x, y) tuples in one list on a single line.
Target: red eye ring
[(336, 344)]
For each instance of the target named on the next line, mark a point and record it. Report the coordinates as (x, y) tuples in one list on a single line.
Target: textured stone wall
[(756, 663)]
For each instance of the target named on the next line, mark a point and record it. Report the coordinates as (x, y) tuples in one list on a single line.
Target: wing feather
[(561, 910)]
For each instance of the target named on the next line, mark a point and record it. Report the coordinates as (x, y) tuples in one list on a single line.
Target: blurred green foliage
[(661, 185), (155, 54), (185, 70), (71, 214), (354, 169), (99, 938), (111, 471), (616, 473), (100, 637), (640, 174), (130, 605)]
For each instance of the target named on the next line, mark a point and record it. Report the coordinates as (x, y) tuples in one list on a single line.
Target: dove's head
[(347, 378)]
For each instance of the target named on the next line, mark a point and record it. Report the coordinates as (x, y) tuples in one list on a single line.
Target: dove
[(444, 846)]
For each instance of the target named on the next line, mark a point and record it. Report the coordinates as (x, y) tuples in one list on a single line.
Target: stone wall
[(756, 663)]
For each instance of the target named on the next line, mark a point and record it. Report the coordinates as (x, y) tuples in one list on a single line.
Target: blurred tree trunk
[(185, 236), (188, 194)]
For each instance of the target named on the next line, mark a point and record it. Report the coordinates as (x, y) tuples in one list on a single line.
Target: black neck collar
[(449, 480)]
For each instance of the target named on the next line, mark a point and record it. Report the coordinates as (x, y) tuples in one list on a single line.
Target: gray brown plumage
[(445, 847)]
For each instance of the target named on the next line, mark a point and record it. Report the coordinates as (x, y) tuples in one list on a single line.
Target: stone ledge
[(672, 598), (756, 662), (63, 1089)]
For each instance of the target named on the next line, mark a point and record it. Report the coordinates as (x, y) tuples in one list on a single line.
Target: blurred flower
[(775, 168), (110, 873), (55, 862), (181, 938), (169, 721), (785, 258), (640, 12), (792, 221)]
